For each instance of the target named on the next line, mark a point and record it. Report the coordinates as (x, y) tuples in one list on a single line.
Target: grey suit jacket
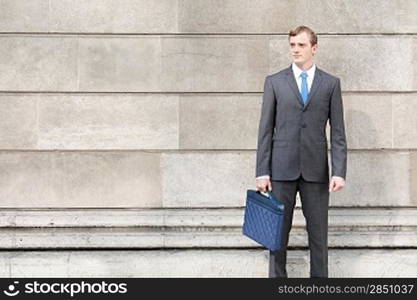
[(292, 136)]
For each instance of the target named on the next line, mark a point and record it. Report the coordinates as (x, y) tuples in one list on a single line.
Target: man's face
[(301, 50)]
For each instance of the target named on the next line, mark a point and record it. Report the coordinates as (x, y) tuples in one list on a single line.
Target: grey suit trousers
[(315, 204)]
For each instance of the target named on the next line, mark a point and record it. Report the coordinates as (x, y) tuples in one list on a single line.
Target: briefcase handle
[(267, 194), (271, 197)]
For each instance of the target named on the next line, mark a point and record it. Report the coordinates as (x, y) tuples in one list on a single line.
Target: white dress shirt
[(297, 75), (310, 75)]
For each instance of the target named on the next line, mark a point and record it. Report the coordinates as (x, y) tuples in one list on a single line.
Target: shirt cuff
[(263, 177)]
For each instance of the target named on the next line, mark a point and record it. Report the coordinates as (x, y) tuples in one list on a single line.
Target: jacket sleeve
[(266, 130), (337, 133)]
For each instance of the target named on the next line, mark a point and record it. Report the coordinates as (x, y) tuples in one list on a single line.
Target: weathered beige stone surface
[(201, 263)]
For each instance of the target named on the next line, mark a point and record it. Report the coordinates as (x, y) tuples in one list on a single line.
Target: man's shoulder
[(278, 74), (327, 75), (283, 72)]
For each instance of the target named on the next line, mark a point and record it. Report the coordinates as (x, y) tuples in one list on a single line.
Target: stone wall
[(122, 121)]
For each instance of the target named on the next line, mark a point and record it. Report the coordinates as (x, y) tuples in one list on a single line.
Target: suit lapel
[(314, 86), (293, 84)]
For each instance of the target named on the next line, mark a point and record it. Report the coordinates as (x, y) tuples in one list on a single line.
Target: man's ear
[(314, 48)]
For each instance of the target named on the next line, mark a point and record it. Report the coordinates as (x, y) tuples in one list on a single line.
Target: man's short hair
[(302, 28)]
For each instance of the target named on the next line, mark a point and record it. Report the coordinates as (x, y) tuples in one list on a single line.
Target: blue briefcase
[(264, 218)]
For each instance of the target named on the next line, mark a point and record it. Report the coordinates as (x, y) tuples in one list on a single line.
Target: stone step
[(193, 228), (201, 263)]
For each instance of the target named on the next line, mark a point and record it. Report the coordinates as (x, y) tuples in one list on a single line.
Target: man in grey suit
[(292, 147)]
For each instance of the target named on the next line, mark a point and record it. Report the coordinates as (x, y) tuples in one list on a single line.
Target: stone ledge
[(191, 217), (193, 228)]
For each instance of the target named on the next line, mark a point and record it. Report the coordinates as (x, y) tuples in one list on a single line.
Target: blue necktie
[(304, 86)]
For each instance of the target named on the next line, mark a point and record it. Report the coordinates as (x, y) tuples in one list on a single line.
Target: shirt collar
[(297, 71)]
